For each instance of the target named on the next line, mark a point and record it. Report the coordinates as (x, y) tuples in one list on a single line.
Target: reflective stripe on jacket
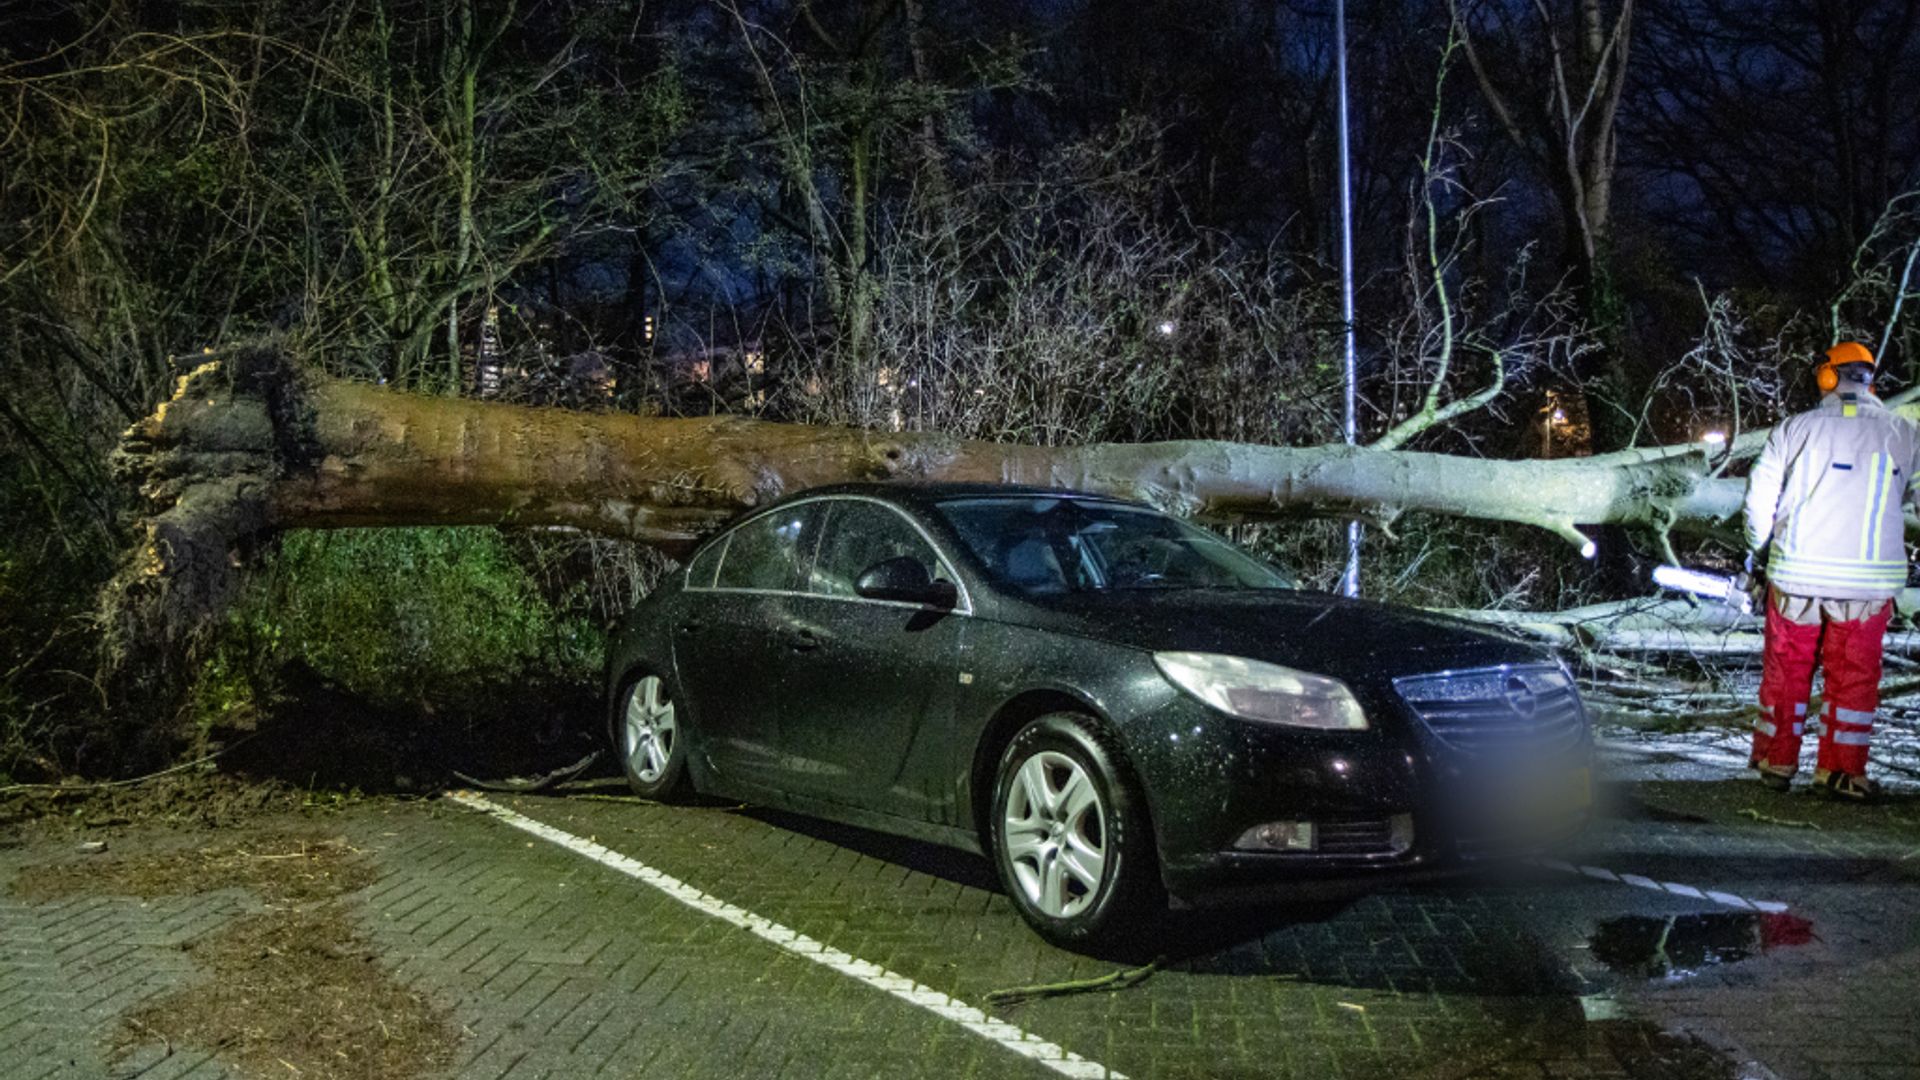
[(1829, 490)]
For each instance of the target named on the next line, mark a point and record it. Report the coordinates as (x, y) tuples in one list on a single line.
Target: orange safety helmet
[(1827, 374)]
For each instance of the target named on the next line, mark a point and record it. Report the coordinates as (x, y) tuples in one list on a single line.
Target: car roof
[(921, 493)]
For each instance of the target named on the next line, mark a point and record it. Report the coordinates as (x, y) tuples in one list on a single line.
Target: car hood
[(1319, 632)]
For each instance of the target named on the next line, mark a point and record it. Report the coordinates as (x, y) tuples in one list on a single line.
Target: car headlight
[(1253, 690)]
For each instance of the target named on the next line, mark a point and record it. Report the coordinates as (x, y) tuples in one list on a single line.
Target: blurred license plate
[(1544, 797)]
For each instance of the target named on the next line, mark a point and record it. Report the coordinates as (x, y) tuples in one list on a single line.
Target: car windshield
[(1047, 544)]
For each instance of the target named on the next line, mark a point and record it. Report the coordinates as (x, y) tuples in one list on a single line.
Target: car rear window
[(701, 570), (771, 553)]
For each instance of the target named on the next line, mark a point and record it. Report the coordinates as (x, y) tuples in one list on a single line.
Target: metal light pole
[(1350, 581)]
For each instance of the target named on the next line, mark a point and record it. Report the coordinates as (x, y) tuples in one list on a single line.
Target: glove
[(1751, 580)]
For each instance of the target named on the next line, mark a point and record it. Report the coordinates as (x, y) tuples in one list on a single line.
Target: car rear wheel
[(1069, 832), (648, 731)]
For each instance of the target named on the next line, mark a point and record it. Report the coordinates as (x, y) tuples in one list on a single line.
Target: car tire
[(1069, 835), (649, 736)]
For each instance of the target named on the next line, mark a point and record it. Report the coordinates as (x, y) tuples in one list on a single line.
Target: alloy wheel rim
[(1054, 834), (650, 729)]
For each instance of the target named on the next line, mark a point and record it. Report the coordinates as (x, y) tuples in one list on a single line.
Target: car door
[(734, 634), (869, 697)]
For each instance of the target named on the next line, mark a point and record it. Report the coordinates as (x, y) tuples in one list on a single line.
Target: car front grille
[(1532, 709)]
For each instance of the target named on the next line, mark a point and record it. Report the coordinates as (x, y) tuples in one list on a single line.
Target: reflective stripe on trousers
[(1764, 722), (1852, 727)]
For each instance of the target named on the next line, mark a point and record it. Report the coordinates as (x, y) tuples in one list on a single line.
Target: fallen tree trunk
[(323, 453), (249, 445)]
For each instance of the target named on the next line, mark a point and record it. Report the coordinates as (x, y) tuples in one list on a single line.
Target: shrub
[(444, 617)]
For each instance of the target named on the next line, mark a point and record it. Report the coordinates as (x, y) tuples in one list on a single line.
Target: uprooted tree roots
[(207, 498)]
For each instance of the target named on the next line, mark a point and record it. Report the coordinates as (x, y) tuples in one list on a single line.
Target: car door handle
[(804, 641)]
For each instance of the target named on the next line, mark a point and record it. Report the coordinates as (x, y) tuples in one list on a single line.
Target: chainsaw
[(1735, 592)]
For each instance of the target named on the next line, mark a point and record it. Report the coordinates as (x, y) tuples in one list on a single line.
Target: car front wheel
[(648, 732), (1070, 835)]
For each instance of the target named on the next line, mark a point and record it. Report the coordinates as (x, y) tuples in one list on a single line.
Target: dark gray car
[(1111, 704)]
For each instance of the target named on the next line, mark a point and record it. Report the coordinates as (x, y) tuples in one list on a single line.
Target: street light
[(1350, 581)]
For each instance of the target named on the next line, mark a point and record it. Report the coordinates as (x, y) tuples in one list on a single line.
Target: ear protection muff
[(1827, 377), (1827, 374)]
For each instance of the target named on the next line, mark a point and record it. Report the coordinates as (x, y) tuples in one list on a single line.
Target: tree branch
[(1495, 99), (1431, 413)]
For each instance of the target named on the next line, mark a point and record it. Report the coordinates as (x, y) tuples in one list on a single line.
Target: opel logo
[(1520, 697)]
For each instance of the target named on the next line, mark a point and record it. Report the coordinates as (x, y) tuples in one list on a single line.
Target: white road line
[(1725, 899), (1055, 1057)]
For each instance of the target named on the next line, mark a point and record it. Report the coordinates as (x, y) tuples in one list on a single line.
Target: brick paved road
[(70, 968), (556, 966)]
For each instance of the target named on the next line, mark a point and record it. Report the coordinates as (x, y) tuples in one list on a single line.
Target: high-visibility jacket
[(1829, 490)]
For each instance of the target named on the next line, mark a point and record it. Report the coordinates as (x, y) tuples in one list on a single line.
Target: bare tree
[(1779, 132), (1552, 73), (1555, 89)]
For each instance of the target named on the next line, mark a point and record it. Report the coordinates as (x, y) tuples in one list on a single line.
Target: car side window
[(860, 534), (700, 572), (771, 553)]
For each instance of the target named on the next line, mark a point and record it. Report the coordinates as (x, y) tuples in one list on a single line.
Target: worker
[(1829, 492)]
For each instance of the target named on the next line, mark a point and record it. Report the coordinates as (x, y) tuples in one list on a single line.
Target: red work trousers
[(1849, 650)]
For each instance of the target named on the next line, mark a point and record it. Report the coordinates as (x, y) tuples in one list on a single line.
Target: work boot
[(1849, 786), (1773, 777)]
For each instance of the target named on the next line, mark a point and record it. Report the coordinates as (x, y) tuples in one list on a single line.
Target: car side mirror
[(904, 579)]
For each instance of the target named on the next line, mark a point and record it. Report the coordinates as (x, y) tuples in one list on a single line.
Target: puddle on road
[(1681, 946)]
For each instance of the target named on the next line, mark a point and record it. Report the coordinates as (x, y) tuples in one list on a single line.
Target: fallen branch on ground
[(1769, 819), (1901, 769), (1115, 980), (59, 790), (1655, 625), (518, 784)]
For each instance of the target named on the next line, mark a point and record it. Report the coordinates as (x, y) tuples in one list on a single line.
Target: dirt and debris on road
[(209, 800), (298, 992), (281, 866), (293, 990), (1738, 801)]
